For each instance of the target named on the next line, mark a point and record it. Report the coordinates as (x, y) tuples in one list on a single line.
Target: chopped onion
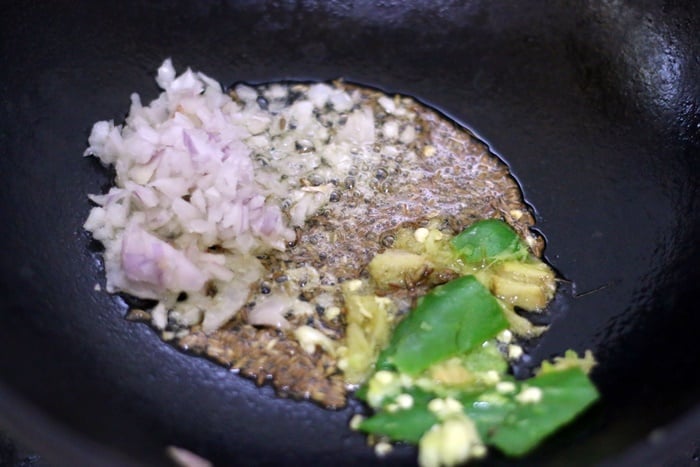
[(197, 169), (270, 312)]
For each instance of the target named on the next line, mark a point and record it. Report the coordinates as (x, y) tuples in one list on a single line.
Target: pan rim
[(31, 426)]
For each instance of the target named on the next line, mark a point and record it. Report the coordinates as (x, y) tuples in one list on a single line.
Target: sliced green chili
[(450, 320), (509, 420), (489, 240), (486, 358), (460, 319), (403, 424), (516, 424)]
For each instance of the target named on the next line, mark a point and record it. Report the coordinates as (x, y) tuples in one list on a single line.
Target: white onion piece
[(189, 178), (359, 128), (270, 312), (148, 260)]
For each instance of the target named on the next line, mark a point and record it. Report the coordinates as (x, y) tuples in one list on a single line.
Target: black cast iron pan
[(594, 104)]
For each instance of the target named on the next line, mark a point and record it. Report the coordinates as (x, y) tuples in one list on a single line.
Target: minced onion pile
[(195, 201)]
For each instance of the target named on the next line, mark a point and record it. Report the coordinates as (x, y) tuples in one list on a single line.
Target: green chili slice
[(489, 240), (515, 425), (450, 320), (407, 424)]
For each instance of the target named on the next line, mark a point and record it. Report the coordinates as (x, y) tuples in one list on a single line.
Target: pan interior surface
[(593, 105)]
